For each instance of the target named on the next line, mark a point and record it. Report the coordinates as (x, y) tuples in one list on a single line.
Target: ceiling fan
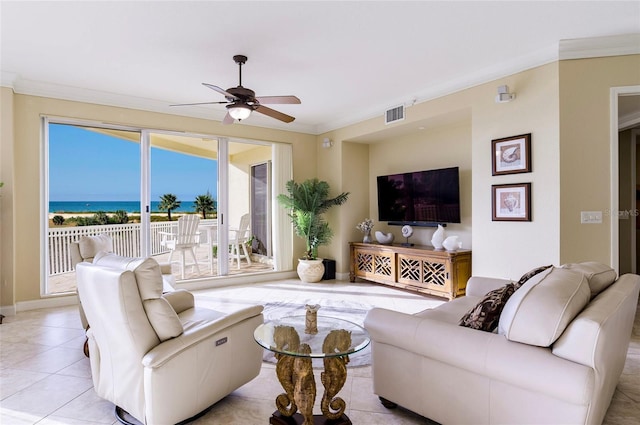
[(241, 101)]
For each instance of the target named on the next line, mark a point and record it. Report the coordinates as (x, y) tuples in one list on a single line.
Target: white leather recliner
[(86, 248), (158, 356)]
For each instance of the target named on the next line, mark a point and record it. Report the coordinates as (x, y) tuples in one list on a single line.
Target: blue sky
[(89, 166)]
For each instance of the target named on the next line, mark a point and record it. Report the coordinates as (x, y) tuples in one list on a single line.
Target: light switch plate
[(590, 217)]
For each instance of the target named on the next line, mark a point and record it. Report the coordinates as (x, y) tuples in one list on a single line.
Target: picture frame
[(511, 155), (511, 202)]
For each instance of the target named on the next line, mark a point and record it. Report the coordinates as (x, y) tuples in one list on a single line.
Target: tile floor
[(45, 379)]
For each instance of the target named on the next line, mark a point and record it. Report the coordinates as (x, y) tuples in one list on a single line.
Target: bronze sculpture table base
[(296, 341), (297, 419), (295, 374)]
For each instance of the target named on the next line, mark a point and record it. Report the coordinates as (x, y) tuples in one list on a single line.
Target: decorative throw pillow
[(600, 276), (90, 245), (163, 318), (485, 315), (531, 273), (541, 309)]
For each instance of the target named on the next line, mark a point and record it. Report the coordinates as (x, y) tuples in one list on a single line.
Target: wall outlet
[(590, 217)]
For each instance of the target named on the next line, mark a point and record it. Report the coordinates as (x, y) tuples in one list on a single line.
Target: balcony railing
[(126, 241)]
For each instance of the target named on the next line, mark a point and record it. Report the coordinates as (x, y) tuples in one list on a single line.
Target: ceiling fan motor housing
[(240, 59), (242, 93)]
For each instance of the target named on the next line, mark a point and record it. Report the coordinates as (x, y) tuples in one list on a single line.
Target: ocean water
[(111, 206)]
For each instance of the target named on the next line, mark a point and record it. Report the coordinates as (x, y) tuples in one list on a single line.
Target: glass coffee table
[(295, 343)]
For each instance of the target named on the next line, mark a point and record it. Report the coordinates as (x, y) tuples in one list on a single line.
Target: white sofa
[(555, 358), (160, 357)]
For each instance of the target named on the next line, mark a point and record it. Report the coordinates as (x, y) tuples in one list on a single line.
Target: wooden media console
[(418, 268)]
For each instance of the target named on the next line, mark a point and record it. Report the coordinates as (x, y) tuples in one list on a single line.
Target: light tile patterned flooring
[(45, 379)]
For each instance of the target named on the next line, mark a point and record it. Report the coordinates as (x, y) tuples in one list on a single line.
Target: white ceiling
[(346, 61)]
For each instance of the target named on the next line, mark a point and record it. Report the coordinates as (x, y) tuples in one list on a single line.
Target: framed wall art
[(511, 202), (511, 155)]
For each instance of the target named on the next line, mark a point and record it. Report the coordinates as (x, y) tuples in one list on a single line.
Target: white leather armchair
[(158, 356), (86, 248)]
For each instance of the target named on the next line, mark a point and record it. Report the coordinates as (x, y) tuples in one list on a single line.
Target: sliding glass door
[(184, 181), (135, 184), (93, 188)]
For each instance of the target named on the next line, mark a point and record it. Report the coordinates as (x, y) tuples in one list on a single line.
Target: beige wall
[(585, 160), (564, 105), (240, 180), (431, 148), (508, 249), (355, 170), (458, 130), (27, 156)]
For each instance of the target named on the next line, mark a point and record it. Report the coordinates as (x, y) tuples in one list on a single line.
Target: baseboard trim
[(217, 282), (50, 302), (8, 310)]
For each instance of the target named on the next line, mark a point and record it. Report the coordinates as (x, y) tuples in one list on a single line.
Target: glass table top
[(335, 337)]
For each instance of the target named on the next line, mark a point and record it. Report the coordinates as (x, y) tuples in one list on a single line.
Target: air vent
[(394, 114)]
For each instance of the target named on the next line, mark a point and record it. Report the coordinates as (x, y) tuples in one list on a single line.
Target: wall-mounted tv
[(420, 198)]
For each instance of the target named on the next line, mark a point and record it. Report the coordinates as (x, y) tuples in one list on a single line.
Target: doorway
[(625, 223)]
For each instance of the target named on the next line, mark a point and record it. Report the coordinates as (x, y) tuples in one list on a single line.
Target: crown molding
[(495, 72), (7, 79), (595, 47), (76, 94), (616, 45)]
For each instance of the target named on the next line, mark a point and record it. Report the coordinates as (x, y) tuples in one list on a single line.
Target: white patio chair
[(238, 241), (186, 239), (209, 237)]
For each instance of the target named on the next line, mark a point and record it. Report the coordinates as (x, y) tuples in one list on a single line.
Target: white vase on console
[(384, 238), (451, 243), (438, 237)]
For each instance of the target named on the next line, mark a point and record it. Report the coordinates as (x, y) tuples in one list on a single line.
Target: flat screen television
[(420, 198)]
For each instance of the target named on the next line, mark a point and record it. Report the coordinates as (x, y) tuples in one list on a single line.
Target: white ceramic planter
[(310, 271)]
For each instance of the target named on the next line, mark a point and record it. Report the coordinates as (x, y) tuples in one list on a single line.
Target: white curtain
[(282, 229)]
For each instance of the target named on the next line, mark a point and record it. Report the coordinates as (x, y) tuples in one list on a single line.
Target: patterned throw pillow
[(528, 275), (485, 315)]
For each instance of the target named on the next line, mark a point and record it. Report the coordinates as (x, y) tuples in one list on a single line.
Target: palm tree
[(307, 202), (168, 202), (204, 204)]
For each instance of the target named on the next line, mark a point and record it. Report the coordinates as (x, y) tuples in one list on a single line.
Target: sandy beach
[(66, 216)]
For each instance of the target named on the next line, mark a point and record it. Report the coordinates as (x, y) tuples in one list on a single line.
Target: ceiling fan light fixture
[(239, 111)]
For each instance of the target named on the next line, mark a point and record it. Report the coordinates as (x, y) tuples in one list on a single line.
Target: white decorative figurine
[(384, 239), (438, 237), (407, 231), (451, 243)]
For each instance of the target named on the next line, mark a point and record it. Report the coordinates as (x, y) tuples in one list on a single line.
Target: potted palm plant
[(307, 202)]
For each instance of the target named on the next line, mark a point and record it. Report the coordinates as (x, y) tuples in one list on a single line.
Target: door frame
[(614, 127)]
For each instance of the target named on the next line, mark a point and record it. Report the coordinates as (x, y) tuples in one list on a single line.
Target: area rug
[(346, 310)]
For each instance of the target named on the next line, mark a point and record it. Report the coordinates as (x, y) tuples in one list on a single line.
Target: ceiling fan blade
[(219, 90), (274, 114), (200, 103), (228, 119), (278, 100)]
